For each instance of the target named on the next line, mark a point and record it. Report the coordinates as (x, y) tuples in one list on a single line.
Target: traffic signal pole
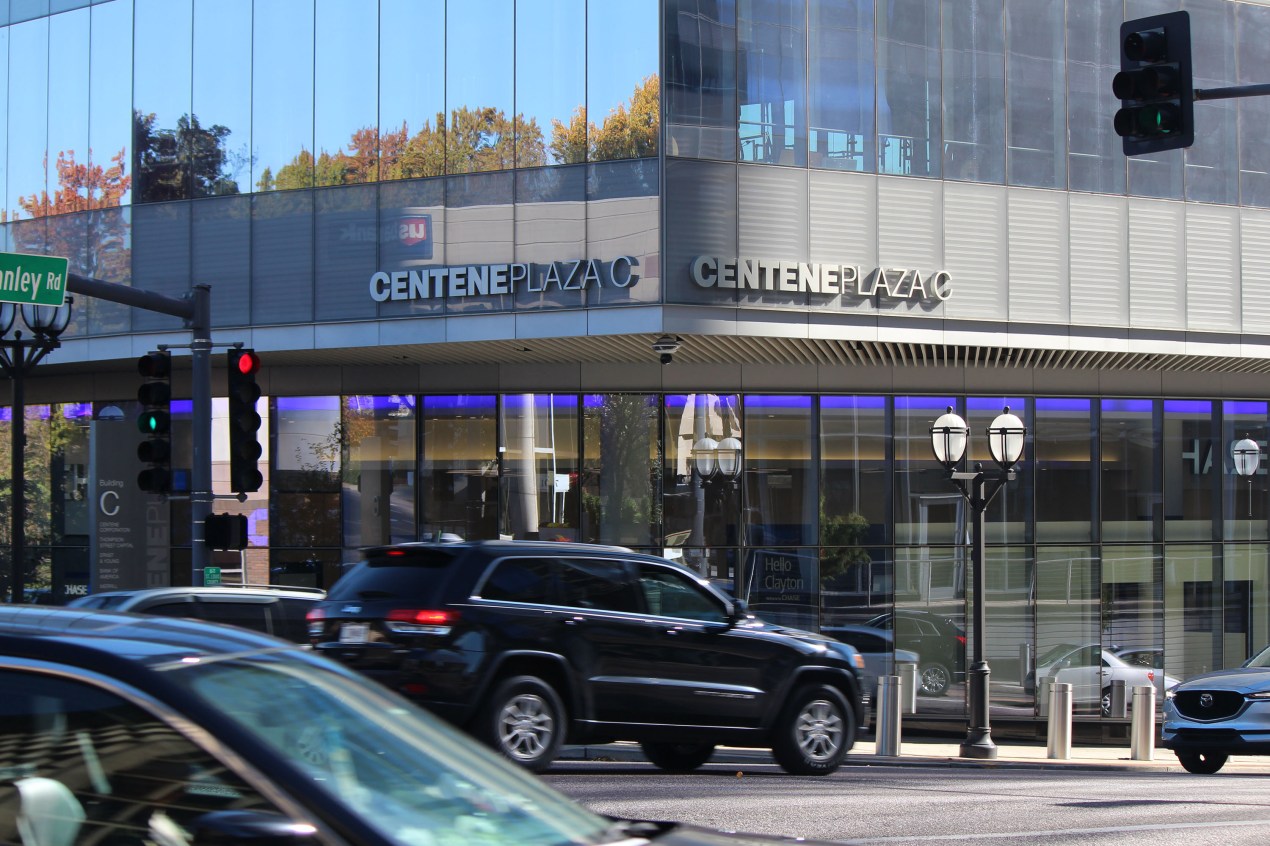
[(195, 310)]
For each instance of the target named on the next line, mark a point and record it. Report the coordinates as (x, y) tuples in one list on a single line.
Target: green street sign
[(35, 280), (211, 576)]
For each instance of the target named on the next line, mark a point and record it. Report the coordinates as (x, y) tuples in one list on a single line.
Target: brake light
[(427, 618), (961, 639), (1150, 675), (394, 553), (315, 615)]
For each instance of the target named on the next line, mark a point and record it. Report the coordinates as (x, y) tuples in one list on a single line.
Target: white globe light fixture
[(949, 436), (729, 457), (1247, 456), (1005, 439), (705, 456)]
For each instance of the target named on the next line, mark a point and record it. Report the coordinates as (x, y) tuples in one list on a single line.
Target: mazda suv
[(1210, 717), (529, 645)]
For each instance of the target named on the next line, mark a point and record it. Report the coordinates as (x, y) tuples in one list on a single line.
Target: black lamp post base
[(978, 744)]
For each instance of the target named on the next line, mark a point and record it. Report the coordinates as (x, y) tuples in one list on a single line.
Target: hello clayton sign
[(793, 277), (478, 280)]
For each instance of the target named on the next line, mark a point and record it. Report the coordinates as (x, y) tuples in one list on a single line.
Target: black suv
[(530, 644)]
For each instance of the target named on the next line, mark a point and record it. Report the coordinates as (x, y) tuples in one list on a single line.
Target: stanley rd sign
[(34, 280)]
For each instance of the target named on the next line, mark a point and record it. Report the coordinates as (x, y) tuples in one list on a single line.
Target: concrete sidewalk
[(946, 752)]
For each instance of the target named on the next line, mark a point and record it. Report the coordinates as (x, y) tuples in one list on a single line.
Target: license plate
[(353, 633)]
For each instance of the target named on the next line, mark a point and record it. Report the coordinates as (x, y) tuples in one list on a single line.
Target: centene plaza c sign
[(476, 280), (793, 277)]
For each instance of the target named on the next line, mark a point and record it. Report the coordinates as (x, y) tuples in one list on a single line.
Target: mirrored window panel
[(701, 78), (841, 85), (623, 97), (480, 86), (620, 483), (701, 496), (220, 125), (411, 88), (853, 471), (1067, 618), (538, 483), (1193, 468), (1006, 518), (1212, 161), (910, 135), (1245, 626), (163, 126), (1252, 49), (1132, 612), (1037, 101), (305, 483), (780, 470), (1130, 471), (1244, 498), (282, 96), (345, 114), (1063, 462), (771, 81), (1095, 158), (377, 479), (551, 115), (68, 91), (458, 467), (928, 508), (27, 146), (973, 93)]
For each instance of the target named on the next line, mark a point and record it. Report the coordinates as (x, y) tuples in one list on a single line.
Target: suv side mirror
[(739, 612)]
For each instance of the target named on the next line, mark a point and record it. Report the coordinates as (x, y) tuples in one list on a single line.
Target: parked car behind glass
[(276, 610), (530, 644), (1090, 669), (877, 646), (940, 642), (125, 729)]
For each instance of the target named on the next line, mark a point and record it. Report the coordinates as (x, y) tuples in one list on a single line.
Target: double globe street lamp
[(949, 437), (20, 352)]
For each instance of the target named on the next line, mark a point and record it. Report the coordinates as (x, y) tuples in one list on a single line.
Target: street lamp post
[(950, 436), (1247, 457), (19, 354)]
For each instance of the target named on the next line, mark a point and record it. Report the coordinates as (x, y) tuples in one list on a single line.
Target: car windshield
[(1054, 654), (417, 781), (1261, 659)]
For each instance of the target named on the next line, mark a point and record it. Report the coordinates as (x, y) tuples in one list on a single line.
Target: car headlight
[(1259, 694), (1169, 694)]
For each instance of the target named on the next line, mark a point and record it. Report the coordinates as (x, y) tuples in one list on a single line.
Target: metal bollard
[(1025, 661), (1119, 700), (908, 687), (1043, 695), (1142, 733), (1060, 722), (888, 731)]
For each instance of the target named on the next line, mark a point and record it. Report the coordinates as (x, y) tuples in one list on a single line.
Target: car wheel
[(1201, 763), (678, 757), (814, 732), (934, 680), (524, 721)]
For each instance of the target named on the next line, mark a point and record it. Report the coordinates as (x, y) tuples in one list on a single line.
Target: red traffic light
[(248, 362)]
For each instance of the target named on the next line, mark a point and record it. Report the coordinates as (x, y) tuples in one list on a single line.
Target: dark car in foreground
[(1210, 717), (119, 729), (272, 609), (528, 645)]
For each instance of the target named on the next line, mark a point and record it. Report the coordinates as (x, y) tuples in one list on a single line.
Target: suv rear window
[(415, 574)]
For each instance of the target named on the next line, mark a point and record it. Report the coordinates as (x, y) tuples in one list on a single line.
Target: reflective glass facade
[(285, 152)]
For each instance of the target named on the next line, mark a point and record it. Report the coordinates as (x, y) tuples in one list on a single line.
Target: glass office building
[(462, 236)]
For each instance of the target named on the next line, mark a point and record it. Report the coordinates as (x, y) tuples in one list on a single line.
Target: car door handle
[(574, 620)]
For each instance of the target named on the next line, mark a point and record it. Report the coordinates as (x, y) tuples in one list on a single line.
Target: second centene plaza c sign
[(795, 277)]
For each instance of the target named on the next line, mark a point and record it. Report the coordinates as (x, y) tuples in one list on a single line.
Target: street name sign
[(32, 280)]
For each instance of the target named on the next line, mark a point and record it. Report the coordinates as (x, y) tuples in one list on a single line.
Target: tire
[(814, 731), (678, 757), (1202, 762), (933, 679), (525, 722)]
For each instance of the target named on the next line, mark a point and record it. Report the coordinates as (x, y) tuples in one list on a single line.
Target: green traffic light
[(154, 422)]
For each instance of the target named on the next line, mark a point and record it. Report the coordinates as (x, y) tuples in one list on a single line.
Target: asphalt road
[(902, 805)]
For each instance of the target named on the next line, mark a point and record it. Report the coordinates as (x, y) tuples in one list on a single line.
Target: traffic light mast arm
[(1260, 89)]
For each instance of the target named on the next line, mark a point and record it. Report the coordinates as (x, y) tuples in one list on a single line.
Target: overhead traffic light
[(244, 422), (155, 422), (1154, 85)]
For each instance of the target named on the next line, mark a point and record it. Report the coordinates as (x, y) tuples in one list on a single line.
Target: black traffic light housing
[(244, 422), (1154, 84), (226, 531), (155, 422)]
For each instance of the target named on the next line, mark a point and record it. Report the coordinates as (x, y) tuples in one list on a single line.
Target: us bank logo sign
[(830, 280)]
